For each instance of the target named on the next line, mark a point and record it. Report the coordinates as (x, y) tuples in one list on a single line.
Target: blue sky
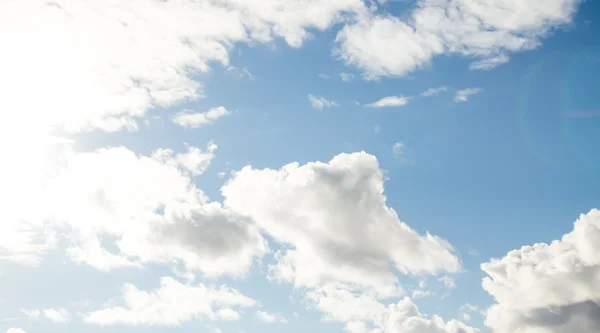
[(151, 141)]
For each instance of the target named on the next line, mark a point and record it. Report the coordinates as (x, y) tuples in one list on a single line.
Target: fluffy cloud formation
[(549, 288), (172, 304), (362, 314), (146, 208), (191, 119), (390, 101), (306, 209), (463, 95), (150, 209), (383, 45), (118, 59), (320, 103)]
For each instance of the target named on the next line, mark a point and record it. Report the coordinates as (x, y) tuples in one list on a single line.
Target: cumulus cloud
[(305, 208), (320, 103), (390, 101), (363, 313), (384, 45), (145, 209), (463, 95), (172, 304), (191, 119), (270, 318), (149, 208), (548, 288)]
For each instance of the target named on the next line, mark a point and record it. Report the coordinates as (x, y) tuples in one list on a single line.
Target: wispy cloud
[(189, 118), (489, 63), (323, 76), (390, 101), (463, 95), (346, 77), (398, 148), (320, 102), (433, 91)]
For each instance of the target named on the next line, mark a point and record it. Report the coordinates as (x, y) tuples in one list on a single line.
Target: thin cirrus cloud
[(320, 102), (465, 94), (191, 119)]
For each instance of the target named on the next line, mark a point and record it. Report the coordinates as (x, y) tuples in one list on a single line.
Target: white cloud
[(386, 46), (418, 294), (346, 77), (398, 148), (383, 45), (363, 314), (548, 288), (467, 309), (325, 242), (433, 91), (270, 318), (323, 76), (194, 160), (240, 73), (117, 60), (57, 315), (489, 63), (15, 330), (390, 101), (447, 281), (320, 103), (463, 95), (171, 305), (32, 314), (146, 208), (191, 119)]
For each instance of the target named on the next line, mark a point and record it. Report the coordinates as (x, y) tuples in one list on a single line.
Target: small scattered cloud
[(56, 315), (15, 330), (320, 102), (390, 101), (463, 95), (346, 77), (398, 148), (447, 281), (466, 311), (433, 91), (240, 73), (418, 294), (191, 119), (489, 63), (473, 252), (323, 76), (270, 318)]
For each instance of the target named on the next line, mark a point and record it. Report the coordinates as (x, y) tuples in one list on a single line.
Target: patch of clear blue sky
[(514, 165)]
